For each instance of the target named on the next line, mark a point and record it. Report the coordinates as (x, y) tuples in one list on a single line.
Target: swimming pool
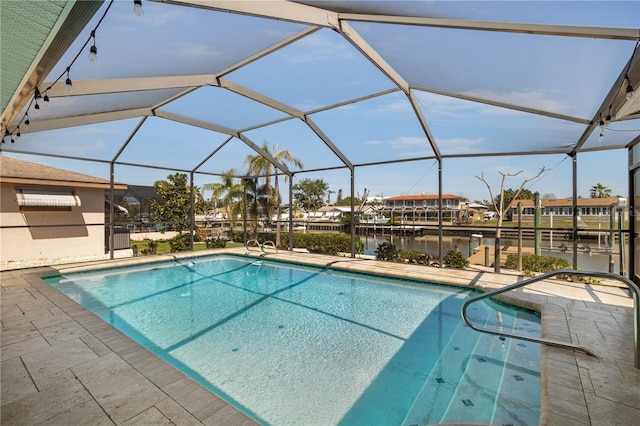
[(307, 346)]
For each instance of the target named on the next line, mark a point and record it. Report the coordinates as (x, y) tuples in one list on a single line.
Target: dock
[(478, 257)]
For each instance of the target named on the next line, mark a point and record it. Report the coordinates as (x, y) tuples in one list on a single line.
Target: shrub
[(388, 252), (455, 259), (151, 247), (216, 243), (532, 264), (330, 244), (416, 257), (181, 242)]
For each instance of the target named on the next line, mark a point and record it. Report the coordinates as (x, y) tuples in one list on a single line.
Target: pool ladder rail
[(259, 246), (635, 291)]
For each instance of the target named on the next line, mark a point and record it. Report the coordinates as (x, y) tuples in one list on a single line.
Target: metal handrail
[(635, 291), (246, 245), (269, 243)]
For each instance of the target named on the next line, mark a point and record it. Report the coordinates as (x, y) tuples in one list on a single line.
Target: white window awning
[(47, 198)]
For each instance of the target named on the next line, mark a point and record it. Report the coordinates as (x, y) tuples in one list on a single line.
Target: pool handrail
[(633, 287), (271, 244), (246, 245)]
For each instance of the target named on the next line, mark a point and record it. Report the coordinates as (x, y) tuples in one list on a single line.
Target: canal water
[(592, 255)]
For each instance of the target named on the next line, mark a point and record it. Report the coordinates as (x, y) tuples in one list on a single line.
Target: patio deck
[(61, 364)]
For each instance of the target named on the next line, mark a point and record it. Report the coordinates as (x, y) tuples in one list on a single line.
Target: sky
[(568, 76)]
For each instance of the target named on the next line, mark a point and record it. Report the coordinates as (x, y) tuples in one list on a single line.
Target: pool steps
[(431, 406), (482, 379), (430, 403), (633, 288), (516, 382)]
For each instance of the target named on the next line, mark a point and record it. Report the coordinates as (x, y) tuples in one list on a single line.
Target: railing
[(258, 245), (635, 291), (269, 244)]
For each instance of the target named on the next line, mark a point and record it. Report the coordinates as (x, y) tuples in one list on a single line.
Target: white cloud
[(449, 106), (408, 141), (398, 105), (193, 50), (459, 145), (408, 146), (532, 99), (320, 47)]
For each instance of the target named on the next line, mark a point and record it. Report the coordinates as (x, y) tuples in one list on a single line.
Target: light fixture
[(45, 99), (6, 133), (93, 50), (18, 133), (68, 82), (137, 8), (629, 104), (26, 120), (629, 87), (37, 107), (607, 119)]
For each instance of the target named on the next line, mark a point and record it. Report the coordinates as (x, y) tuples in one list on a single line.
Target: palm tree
[(226, 193), (258, 165), (600, 191)]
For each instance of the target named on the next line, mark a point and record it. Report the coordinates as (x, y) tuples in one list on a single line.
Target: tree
[(329, 192), (175, 210), (253, 199), (509, 195), (346, 201), (225, 193), (501, 209), (309, 194), (600, 191), (258, 165)]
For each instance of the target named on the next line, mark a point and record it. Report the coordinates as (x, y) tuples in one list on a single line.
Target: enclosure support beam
[(353, 216), (291, 212), (192, 219), (440, 228), (574, 161)]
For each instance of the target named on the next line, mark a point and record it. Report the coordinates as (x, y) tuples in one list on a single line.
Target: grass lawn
[(163, 246)]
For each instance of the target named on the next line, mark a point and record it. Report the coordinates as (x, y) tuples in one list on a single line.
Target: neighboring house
[(50, 216), (338, 212), (425, 207), (589, 209)]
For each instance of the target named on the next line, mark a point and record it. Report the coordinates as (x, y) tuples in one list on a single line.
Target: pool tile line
[(575, 388)]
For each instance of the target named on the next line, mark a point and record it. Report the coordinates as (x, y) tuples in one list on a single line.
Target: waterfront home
[(589, 209), (425, 207), (49, 215)]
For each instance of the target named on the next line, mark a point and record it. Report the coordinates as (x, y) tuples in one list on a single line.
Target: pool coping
[(575, 388)]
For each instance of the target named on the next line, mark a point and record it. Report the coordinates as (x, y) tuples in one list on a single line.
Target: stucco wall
[(26, 237)]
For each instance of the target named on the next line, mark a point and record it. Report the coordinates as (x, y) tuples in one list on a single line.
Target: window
[(46, 199)]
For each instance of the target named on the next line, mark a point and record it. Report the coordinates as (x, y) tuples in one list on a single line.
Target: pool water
[(293, 345)]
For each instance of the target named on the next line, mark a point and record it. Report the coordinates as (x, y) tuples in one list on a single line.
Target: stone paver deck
[(62, 365)]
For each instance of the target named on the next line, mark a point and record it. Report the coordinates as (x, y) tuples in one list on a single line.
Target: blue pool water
[(292, 345)]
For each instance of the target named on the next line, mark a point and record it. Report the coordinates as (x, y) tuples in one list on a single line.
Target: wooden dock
[(478, 257)]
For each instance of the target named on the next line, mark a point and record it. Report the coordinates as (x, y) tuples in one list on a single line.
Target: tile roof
[(23, 172)]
